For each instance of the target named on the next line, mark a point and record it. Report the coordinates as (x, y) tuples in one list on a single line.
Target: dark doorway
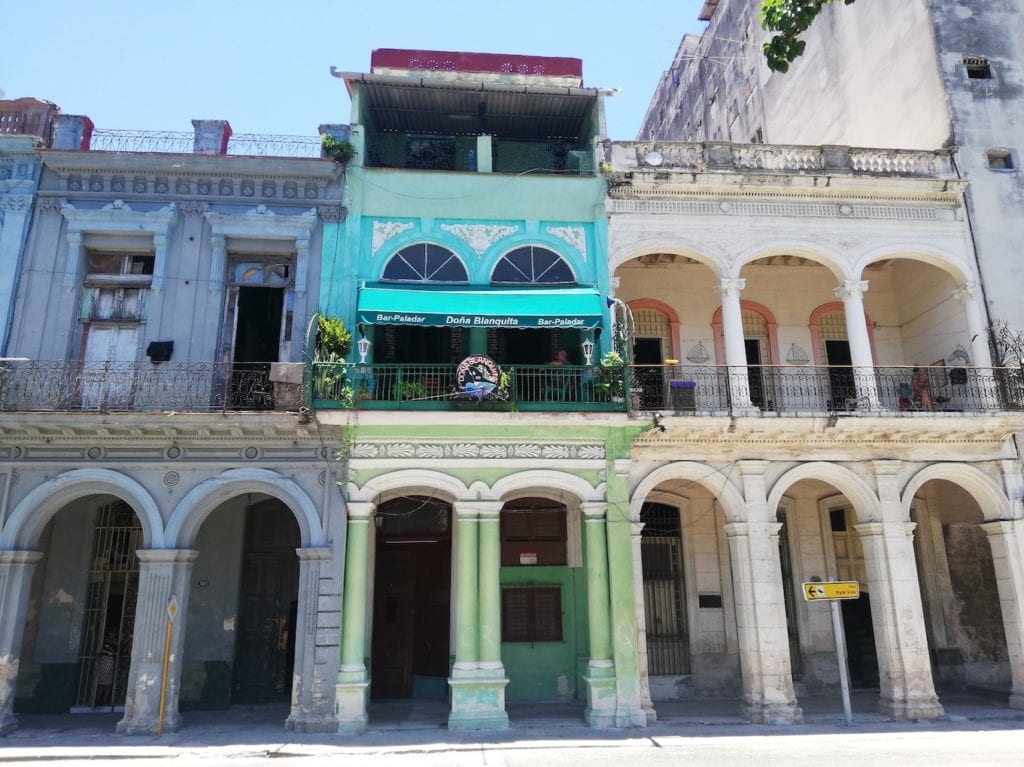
[(842, 389), (649, 373), (661, 554), (411, 602), (862, 660), (265, 647), (755, 374), (257, 344)]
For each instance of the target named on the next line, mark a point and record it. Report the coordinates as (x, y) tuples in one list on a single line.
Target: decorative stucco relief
[(574, 236), (479, 237), (553, 451), (385, 230)]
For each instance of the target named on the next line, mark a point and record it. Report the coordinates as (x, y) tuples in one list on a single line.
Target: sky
[(265, 66)]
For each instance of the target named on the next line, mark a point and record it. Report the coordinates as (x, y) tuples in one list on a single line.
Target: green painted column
[(478, 676), (466, 598), (478, 340), (490, 587), (600, 675), (351, 688), (598, 607)]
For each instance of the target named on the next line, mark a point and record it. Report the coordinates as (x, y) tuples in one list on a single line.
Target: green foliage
[(610, 376), (333, 339), (412, 390), (338, 150), (790, 19)]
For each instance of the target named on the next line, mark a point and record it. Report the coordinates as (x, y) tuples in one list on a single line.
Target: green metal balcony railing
[(434, 387)]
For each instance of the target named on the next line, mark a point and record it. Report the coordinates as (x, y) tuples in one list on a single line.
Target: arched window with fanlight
[(425, 262), (531, 265)]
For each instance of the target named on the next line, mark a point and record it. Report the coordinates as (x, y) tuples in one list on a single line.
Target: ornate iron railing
[(523, 387), (181, 142), (796, 390), (124, 386)]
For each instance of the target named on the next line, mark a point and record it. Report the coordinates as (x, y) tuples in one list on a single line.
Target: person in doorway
[(561, 358), (105, 672), (920, 389)]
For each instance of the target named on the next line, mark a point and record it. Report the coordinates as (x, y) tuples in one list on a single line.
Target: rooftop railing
[(182, 142)]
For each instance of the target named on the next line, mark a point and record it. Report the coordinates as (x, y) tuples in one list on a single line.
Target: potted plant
[(610, 375), (330, 378), (339, 150), (412, 390)]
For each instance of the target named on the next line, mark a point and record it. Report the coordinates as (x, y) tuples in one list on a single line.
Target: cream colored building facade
[(761, 276)]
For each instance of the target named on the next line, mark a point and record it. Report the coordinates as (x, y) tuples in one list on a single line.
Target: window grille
[(531, 614)]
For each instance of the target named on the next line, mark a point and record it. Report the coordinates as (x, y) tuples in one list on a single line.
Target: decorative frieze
[(479, 237), (385, 230), (488, 450), (574, 236), (780, 209)]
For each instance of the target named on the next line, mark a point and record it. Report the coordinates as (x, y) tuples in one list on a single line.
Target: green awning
[(462, 306)]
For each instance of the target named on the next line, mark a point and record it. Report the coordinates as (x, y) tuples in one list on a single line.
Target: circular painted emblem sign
[(477, 376)]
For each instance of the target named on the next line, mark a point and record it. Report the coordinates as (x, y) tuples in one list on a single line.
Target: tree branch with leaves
[(789, 19)]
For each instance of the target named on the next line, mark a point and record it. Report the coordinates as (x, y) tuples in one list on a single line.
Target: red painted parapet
[(389, 59)]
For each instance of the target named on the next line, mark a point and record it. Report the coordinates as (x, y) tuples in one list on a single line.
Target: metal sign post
[(832, 592), (172, 613)]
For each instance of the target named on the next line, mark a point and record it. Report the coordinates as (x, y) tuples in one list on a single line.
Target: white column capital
[(167, 556), (851, 289), (480, 509), (594, 510), (730, 286), (313, 553), (359, 511), (19, 557)]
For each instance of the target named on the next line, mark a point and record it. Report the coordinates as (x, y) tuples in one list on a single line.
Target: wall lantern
[(363, 345), (588, 350)]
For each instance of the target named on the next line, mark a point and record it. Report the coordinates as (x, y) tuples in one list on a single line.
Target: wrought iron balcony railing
[(709, 389), (434, 387), (132, 386)]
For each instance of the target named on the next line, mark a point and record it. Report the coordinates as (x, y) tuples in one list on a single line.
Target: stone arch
[(30, 516), (856, 490), (409, 481), (991, 500), (699, 252), (944, 260), (814, 327), (713, 480), (544, 483), (833, 260), (200, 501)]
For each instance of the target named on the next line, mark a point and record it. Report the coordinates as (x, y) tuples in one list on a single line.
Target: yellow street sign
[(831, 590)]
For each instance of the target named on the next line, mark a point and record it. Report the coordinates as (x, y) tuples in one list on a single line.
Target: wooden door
[(267, 605), (393, 623)]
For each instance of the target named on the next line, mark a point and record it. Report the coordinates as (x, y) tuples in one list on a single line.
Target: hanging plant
[(333, 340), (339, 150)]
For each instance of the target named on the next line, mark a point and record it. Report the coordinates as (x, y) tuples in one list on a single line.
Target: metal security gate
[(668, 650), (108, 622)]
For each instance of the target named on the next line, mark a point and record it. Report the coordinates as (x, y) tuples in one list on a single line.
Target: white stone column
[(163, 573), (729, 290), (218, 260), (851, 292), (73, 261), (1006, 537), (16, 568), (317, 645), (768, 695), (907, 690), (977, 326)]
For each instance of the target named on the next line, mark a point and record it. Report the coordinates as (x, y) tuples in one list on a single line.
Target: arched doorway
[(76, 649), (411, 599), (661, 553), (963, 617)]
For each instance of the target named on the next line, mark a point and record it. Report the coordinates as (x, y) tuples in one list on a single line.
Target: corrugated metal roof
[(505, 111)]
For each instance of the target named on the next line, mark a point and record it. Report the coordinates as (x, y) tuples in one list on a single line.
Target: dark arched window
[(425, 262), (532, 266)]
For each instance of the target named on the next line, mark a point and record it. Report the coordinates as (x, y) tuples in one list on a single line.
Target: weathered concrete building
[(920, 74), (148, 452)]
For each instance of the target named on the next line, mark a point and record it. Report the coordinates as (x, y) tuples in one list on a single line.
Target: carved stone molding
[(489, 450), (193, 207), (479, 237), (15, 203), (50, 205), (331, 214)]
